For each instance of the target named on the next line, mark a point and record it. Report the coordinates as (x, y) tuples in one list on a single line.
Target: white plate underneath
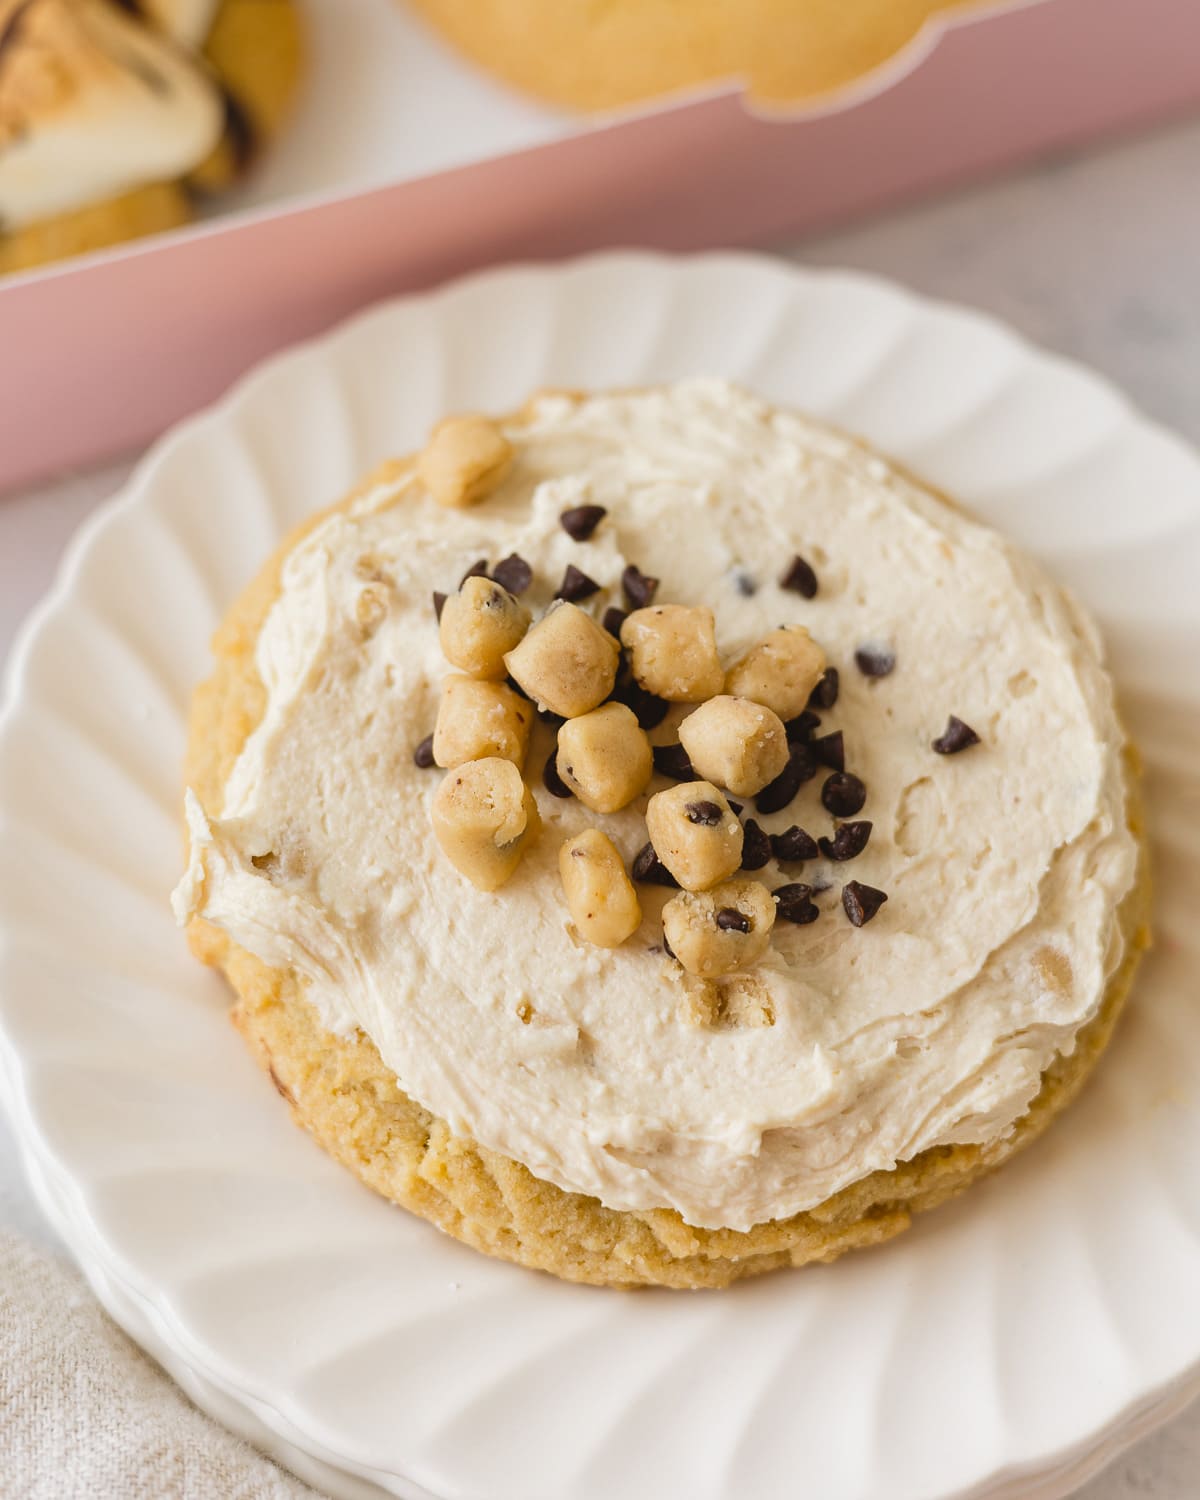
[(1001, 1348)]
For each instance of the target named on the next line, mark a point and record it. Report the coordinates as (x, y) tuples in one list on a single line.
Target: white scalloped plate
[(1004, 1347)]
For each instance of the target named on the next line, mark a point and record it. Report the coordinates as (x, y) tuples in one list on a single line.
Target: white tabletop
[(1096, 255)]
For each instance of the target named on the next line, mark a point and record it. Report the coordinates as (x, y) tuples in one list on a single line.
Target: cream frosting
[(1004, 865), (93, 103)]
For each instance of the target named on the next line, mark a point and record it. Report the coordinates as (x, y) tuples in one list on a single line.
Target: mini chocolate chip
[(439, 604), (672, 761), (955, 737), (800, 578), (801, 767), (648, 869), (639, 589), (551, 780), (576, 585), (513, 574), (830, 750), (848, 841), (744, 583), (825, 694), (708, 814), (736, 807), (729, 919), (861, 902), (478, 569), (794, 903), (875, 661), (793, 845), (423, 754), (581, 520), (613, 619), (648, 710), (843, 794), (802, 726), (756, 846)]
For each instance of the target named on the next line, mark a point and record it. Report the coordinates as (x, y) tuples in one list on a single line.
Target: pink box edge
[(103, 366)]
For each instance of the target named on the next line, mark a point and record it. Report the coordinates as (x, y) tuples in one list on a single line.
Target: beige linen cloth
[(84, 1413)]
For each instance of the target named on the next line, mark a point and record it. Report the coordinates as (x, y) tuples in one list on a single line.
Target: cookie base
[(342, 1093)]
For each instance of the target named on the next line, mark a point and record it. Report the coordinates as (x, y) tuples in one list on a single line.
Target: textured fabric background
[(83, 1412)]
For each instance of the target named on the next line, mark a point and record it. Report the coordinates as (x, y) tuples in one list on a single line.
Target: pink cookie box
[(99, 355)]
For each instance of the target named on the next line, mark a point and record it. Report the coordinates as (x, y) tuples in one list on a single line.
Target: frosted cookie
[(113, 114), (596, 57), (581, 1006)]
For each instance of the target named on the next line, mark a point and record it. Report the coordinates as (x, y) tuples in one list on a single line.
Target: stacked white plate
[(1005, 1346)]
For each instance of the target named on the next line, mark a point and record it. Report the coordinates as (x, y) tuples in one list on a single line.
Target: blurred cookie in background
[(622, 52), (117, 116)]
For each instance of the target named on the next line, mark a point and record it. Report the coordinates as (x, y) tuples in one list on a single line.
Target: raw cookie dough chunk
[(478, 625), (480, 719), (673, 652), (600, 895), (464, 460), (716, 931), (484, 817), (566, 663), (739, 744), (780, 672), (695, 834), (605, 757)]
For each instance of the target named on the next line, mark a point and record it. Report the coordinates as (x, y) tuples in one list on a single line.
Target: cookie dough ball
[(479, 625), (605, 757), (566, 663), (673, 652), (484, 818), (780, 672), (464, 461), (716, 931), (603, 903), (695, 834), (477, 720), (735, 742)]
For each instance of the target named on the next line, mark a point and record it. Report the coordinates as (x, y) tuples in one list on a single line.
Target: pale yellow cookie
[(341, 1092), (595, 57)]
